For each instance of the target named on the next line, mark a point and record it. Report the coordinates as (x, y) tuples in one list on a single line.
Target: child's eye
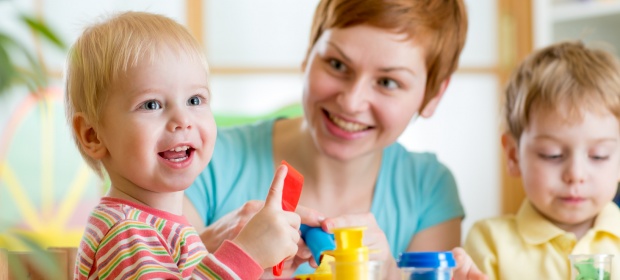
[(194, 100), (337, 65), (550, 156), (599, 157), (388, 83), (150, 105)]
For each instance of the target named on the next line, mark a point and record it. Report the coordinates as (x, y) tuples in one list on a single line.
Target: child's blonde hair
[(566, 74), (440, 25), (106, 50)]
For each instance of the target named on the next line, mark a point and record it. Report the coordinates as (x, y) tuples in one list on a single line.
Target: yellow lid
[(349, 247)]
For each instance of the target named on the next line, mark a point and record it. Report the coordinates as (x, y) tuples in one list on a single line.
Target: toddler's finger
[(274, 197)]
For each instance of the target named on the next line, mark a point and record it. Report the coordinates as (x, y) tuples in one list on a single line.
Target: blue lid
[(426, 259)]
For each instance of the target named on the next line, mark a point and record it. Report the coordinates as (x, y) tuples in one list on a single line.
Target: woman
[(371, 68)]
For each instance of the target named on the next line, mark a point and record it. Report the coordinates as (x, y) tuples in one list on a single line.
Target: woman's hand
[(229, 225), (374, 239)]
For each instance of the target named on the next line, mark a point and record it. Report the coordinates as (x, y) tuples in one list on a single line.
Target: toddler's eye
[(388, 83), (194, 101), (337, 65), (150, 105)]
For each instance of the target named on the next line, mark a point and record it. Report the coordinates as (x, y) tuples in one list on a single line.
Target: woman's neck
[(325, 178)]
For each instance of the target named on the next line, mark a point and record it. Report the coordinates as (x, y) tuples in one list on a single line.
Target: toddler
[(138, 102)]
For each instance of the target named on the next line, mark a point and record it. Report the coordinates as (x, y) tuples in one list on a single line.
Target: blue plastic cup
[(426, 265)]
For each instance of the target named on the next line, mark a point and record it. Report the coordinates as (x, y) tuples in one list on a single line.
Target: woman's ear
[(87, 137), (511, 150), (431, 105)]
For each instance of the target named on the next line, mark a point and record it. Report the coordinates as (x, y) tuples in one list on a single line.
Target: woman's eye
[(388, 83), (194, 101), (336, 64), (150, 105)]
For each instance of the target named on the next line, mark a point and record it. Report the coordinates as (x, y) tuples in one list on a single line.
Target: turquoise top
[(414, 191)]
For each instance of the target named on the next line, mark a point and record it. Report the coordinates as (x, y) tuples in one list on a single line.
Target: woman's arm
[(440, 237)]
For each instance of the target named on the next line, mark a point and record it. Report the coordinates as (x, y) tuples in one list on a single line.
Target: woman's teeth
[(347, 126)]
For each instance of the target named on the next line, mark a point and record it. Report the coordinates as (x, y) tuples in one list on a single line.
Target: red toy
[(293, 182)]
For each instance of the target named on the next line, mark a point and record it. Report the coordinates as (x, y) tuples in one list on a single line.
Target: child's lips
[(572, 199)]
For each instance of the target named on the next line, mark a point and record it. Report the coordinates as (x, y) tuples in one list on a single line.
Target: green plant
[(20, 65), (32, 73)]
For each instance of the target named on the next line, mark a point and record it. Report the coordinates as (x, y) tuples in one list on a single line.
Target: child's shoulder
[(503, 220), (495, 225), (108, 215)]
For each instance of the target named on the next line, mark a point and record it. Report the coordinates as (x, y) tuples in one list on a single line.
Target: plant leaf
[(41, 28), (7, 69)]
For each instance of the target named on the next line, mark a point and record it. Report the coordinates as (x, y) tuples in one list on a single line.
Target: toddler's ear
[(431, 105), (87, 137), (511, 149)]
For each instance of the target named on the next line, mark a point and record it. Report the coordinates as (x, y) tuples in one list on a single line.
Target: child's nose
[(575, 172), (179, 120)]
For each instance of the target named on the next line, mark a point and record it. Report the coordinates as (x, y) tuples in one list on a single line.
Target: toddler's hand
[(272, 234), (466, 269)]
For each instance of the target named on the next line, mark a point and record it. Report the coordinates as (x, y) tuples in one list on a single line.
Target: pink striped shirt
[(125, 240)]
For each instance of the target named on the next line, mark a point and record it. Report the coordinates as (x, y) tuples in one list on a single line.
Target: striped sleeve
[(135, 250), (230, 261)]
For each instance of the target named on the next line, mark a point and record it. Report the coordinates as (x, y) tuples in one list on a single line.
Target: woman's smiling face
[(362, 86)]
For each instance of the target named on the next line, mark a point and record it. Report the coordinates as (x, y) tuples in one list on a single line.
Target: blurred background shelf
[(592, 21), (579, 10)]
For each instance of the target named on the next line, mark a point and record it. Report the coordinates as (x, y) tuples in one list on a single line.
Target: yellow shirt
[(528, 246)]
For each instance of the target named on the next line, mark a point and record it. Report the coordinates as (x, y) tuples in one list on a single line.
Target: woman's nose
[(355, 98)]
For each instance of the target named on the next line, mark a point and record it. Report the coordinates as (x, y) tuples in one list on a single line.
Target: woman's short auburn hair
[(441, 25)]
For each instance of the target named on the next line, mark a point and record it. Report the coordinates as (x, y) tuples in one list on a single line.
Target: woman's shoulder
[(246, 132), (241, 150), (397, 156), (237, 140)]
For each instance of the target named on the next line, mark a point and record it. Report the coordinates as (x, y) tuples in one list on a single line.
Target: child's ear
[(431, 105), (87, 137), (511, 149)]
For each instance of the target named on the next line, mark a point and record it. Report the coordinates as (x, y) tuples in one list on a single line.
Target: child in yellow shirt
[(562, 109)]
